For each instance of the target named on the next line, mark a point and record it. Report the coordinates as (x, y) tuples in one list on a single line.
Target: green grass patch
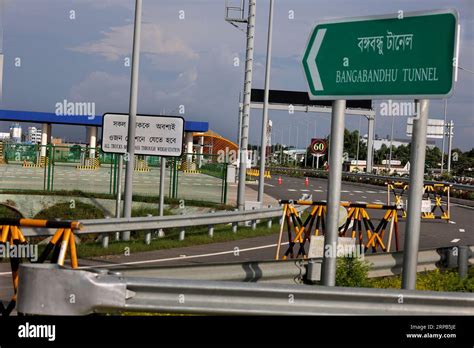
[(193, 236), (69, 211), (354, 273), (136, 198), (9, 213)]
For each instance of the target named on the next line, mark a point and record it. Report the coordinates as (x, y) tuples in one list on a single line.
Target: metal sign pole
[(162, 184), (263, 144), (334, 193), (119, 186), (450, 144), (246, 104), (415, 195), (132, 118)]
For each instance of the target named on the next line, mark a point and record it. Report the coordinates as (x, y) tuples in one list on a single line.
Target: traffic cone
[(279, 180), (306, 182)]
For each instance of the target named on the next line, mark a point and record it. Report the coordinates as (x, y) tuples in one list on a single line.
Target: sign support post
[(246, 104), (334, 192), (415, 195), (263, 144), (132, 118)]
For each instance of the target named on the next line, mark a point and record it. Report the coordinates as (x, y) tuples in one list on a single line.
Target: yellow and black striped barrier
[(89, 164), (41, 163), (433, 192), (256, 173), (189, 171), (141, 166), (63, 239), (299, 231)]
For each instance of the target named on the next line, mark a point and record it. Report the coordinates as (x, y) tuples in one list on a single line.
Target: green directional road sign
[(405, 55)]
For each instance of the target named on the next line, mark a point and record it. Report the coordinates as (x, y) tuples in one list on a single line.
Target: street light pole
[(263, 144), (246, 104), (444, 134), (391, 142), (132, 117)]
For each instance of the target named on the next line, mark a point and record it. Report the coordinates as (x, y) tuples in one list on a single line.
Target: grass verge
[(136, 198)]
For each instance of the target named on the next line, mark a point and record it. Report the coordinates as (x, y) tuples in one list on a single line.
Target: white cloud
[(117, 42)]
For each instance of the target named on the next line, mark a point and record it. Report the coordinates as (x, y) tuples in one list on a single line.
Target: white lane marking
[(455, 240), (270, 185), (292, 190), (452, 222), (360, 202), (318, 190), (181, 257), (462, 206), (370, 192), (351, 194), (358, 192), (364, 196), (344, 191), (304, 190), (462, 230)]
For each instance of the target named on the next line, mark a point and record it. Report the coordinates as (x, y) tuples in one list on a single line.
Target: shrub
[(64, 211), (352, 272)]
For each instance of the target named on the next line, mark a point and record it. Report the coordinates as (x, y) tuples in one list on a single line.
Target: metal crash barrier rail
[(46, 289), (12, 237), (358, 221)]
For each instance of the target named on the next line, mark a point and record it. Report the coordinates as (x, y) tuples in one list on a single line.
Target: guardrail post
[(269, 222), (254, 222), (313, 273), (463, 260), (235, 224), (105, 238), (182, 232), (211, 227), (148, 234)]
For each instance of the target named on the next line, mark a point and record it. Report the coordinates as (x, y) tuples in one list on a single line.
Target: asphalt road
[(434, 233)]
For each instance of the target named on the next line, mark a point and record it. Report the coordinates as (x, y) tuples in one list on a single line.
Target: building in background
[(4, 136), (15, 133), (430, 143), (33, 135)]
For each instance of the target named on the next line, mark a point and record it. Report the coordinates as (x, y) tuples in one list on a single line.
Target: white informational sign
[(426, 205), (155, 135), (346, 247), (435, 128)]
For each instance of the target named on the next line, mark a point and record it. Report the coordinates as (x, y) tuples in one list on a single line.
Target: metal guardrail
[(296, 271), (47, 290), (164, 222), (456, 186)]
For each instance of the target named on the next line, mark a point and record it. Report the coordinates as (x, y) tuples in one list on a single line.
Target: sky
[(188, 55)]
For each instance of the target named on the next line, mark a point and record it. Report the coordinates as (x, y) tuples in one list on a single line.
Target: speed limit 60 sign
[(318, 146)]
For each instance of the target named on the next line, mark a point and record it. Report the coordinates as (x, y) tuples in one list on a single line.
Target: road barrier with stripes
[(141, 166), (89, 164), (12, 236), (256, 173), (432, 193), (299, 231)]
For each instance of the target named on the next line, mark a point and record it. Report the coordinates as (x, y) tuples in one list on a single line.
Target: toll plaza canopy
[(77, 120), (49, 117)]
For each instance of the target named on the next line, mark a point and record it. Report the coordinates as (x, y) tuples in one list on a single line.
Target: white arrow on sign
[(313, 68)]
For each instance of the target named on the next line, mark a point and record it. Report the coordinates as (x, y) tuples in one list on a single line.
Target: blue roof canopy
[(49, 117)]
